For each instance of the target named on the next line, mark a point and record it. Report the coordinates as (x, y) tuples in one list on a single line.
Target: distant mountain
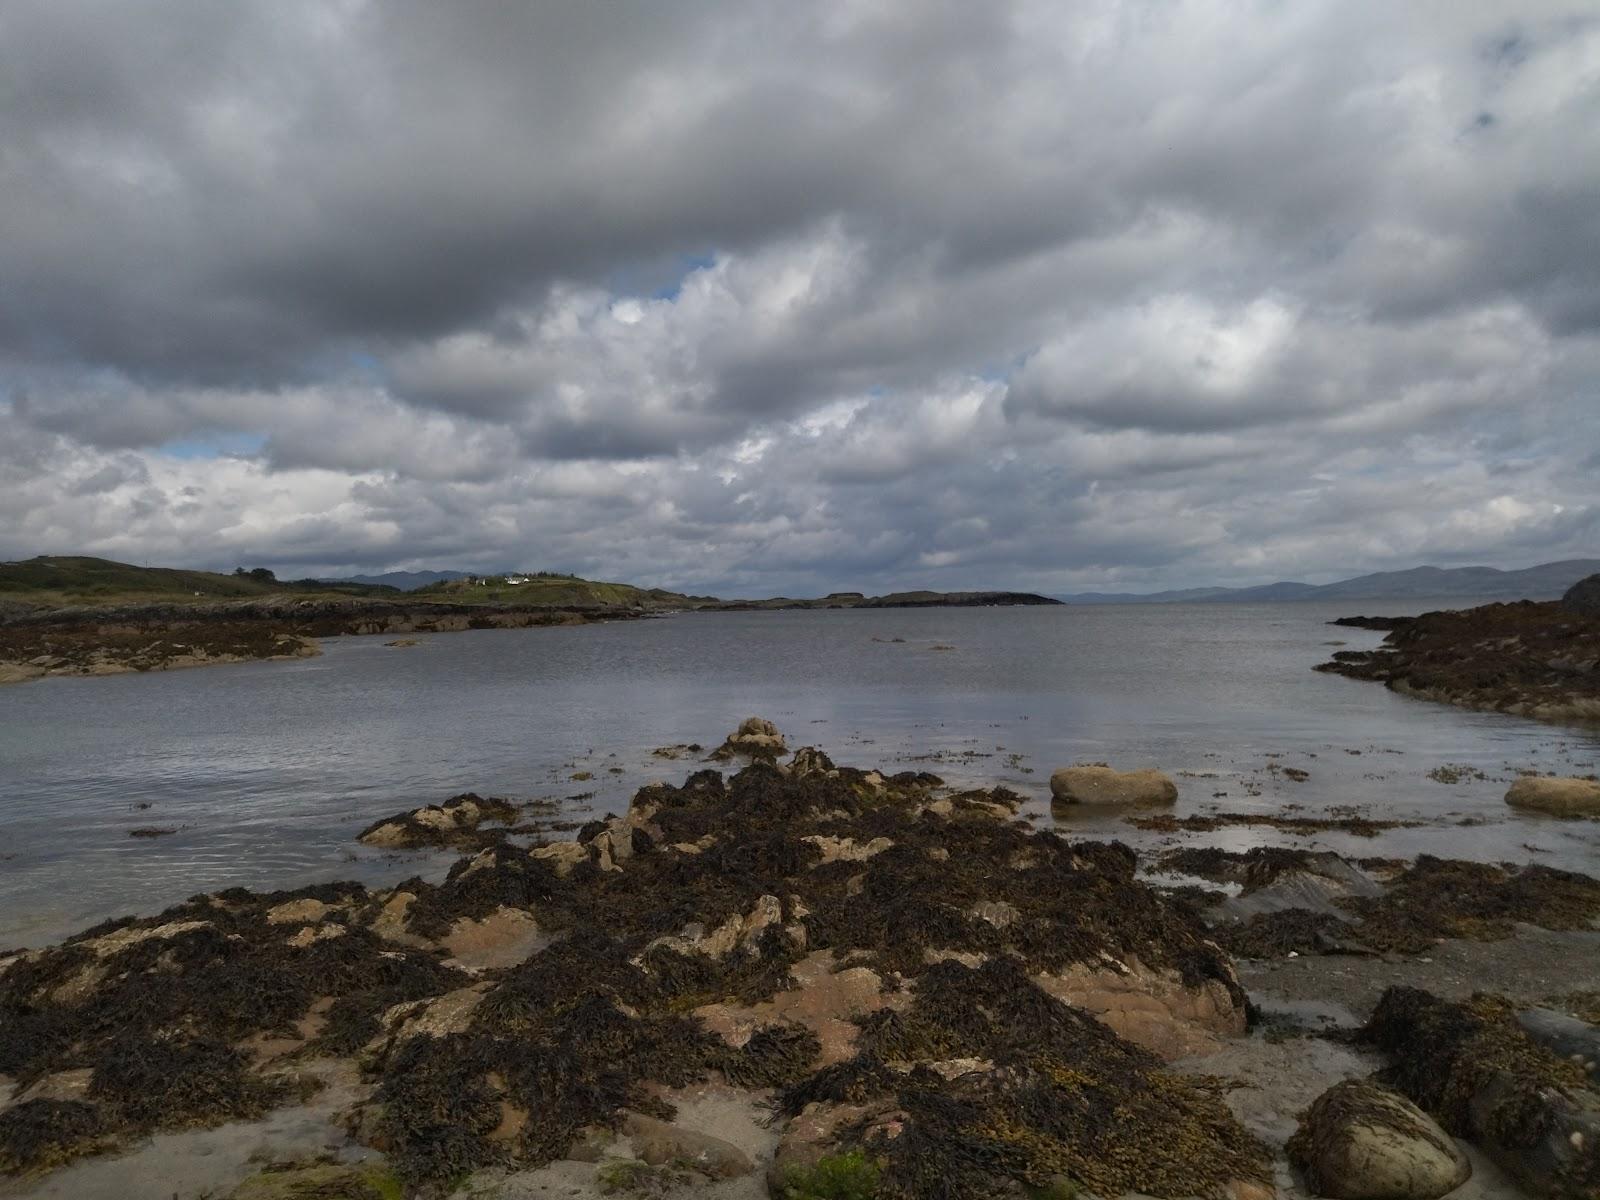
[(404, 580), (1544, 582)]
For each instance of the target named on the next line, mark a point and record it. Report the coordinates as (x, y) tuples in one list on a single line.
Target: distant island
[(1543, 582), (93, 616)]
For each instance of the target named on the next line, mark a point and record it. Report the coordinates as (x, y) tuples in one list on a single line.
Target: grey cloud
[(769, 297)]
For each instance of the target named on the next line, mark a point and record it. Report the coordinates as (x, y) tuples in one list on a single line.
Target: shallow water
[(267, 770)]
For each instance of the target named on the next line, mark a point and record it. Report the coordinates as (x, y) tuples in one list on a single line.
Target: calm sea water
[(268, 770)]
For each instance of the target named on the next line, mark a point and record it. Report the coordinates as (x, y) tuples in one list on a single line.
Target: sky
[(772, 298)]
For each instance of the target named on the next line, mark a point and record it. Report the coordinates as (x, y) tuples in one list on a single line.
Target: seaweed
[(1440, 898), (1278, 934), (1043, 1092), (1443, 1053), (39, 1134), (775, 1055), (710, 892)]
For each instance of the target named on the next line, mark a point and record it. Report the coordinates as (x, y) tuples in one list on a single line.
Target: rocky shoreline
[(1539, 660), (798, 980), (162, 637)]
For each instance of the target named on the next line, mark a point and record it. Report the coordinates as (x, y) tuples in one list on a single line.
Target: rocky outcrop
[(808, 932), (1158, 1010), (1538, 660), (1096, 784), (1475, 1069), (162, 637), (756, 737), (456, 822), (1583, 597), (1360, 1141), (1559, 797)]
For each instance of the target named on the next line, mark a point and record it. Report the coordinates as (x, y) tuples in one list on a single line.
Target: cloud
[(766, 298)]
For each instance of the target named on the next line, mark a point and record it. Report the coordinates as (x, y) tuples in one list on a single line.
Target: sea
[(265, 772)]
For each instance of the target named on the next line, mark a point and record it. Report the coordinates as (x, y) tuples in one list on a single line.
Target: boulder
[(1099, 784), (756, 737), (1583, 597), (808, 761), (1360, 1141), (1557, 796), (1578, 1042), (659, 1143), (1155, 1009)]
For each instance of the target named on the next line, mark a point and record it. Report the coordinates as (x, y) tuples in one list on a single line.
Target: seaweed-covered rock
[(454, 823), (838, 934), (1532, 659), (1566, 1037), (755, 738), (1475, 1069), (1557, 796), (660, 1142), (1100, 784), (1360, 1141)]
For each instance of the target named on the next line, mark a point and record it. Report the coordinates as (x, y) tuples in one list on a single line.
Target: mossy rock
[(321, 1181), (1360, 1141)]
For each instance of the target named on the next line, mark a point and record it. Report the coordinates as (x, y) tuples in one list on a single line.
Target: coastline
[(88, 642), (119, 639), (1528, 659)]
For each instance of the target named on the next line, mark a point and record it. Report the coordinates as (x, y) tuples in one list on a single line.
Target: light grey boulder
[(1098, 784), (1360, 1141), (1560, 797)]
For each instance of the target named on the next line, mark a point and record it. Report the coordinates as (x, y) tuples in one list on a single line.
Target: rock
[(1152, 1008), (309, 935), (814, 1135), (452, 823), (298, 912), (1103, 785), (63, 1085), (658, 1143), (390, 922), (1318, 883), (808, 761), (504, 938), (1476, 1068), (1566, 1037), (1557, 796), (680, 750), (843, 849), (1359, 1141), (563, 856), (401, 643), (756, 737), (114, 943), (736, 931), (825, 1001), (438, 1017), (1583, 597)]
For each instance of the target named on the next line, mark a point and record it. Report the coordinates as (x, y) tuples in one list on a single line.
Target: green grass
[(851, 1176), (61, 581)]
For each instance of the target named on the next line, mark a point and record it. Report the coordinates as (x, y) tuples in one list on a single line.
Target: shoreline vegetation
[(86, 616), (1529, 659), (801, 980)]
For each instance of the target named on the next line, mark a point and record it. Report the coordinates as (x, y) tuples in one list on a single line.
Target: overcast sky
[(772, 297)]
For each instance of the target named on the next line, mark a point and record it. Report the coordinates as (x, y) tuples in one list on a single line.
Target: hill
[(1542, 582), (64, 580), (406, 581)]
